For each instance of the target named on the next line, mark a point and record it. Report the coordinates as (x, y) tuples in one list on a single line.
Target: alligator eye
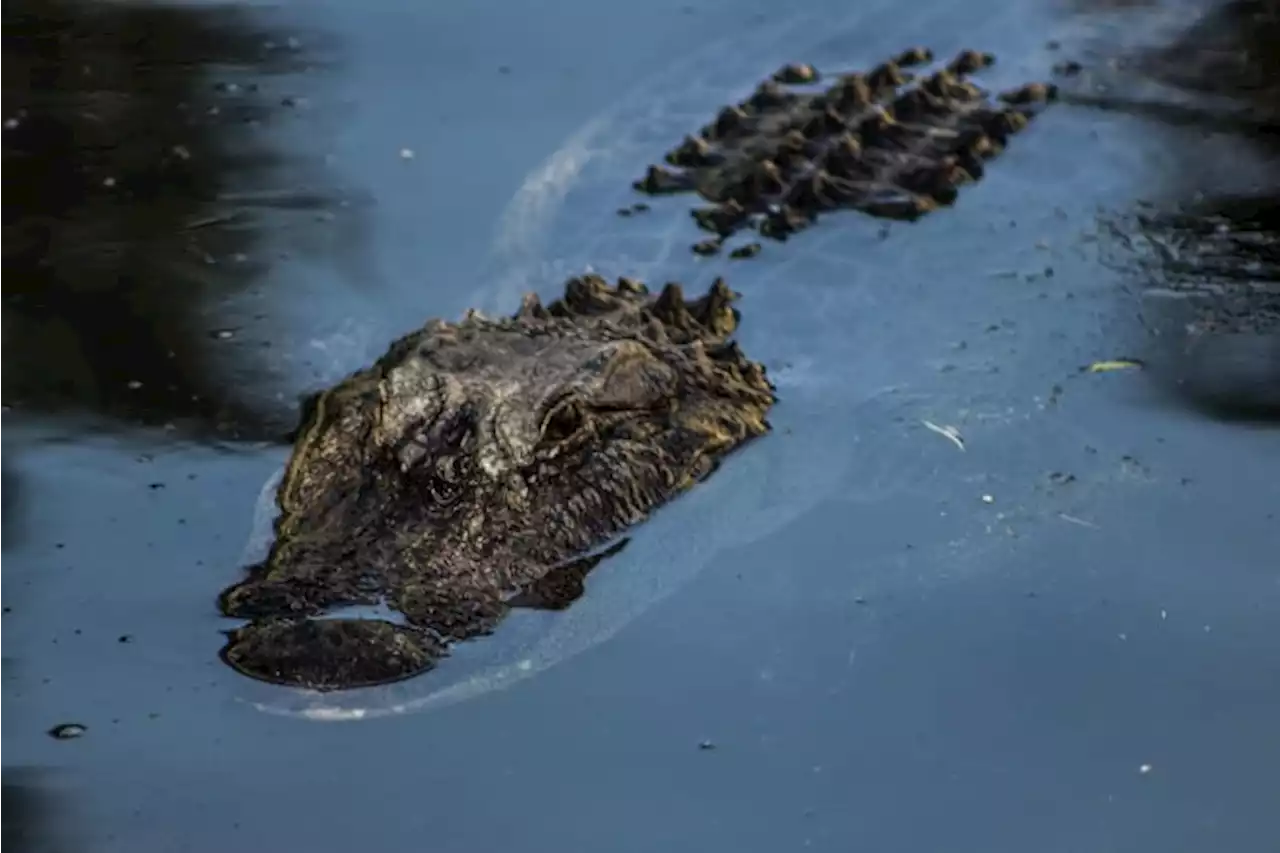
[(444, 482), (443, 492), (563, 422)]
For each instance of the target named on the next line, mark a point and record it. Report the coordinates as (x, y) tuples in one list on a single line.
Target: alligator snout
[(330, 654)]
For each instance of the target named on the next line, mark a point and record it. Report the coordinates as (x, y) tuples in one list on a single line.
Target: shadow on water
[(36, 819), (11, 518), (1207, 254), (141, 193), (137, 196)]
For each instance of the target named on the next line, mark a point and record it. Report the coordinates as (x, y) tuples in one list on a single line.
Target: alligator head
[(475, 464)]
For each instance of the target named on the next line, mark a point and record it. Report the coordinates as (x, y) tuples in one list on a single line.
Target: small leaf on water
[(1115, 364)]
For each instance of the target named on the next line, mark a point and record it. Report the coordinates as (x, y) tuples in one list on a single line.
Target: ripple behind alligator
[(476, 465), (886, 142)]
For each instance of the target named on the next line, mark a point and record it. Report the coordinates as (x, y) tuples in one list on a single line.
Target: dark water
[(1060, 638)]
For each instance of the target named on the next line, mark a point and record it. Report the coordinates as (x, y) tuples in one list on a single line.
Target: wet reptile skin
[(475, 467)]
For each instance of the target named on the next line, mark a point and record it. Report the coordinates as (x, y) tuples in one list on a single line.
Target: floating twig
[(948, 432)]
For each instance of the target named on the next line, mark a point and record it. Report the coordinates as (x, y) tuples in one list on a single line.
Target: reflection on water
[(134, 160), (35, 819), (1231, 51), (1220, 75), (140, 188), (9, 507), (24, 810), (1215, 302), (1224, 250), (1208, 250)]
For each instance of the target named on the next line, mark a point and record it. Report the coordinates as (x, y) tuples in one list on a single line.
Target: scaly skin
[(475, 466), (884, 143)]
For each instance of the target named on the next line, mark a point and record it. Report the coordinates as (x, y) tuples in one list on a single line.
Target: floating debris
[(67, 731), (948, 432), (639, 207), (1115, 364), (207, 221)]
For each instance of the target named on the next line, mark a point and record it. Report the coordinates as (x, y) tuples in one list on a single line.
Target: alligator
[(490, 464), (480, 466), (888, 143)]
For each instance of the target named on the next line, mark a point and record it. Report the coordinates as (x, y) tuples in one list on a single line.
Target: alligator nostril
[(330, 654)]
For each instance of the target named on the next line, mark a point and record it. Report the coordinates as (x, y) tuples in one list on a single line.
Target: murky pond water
[(1059, 636)]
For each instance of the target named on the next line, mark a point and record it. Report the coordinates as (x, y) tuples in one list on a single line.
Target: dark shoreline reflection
[(1226, 62), (1209, 256), (137, 189), (12, 521), (36, 819), (139, 192), (1215, 304)]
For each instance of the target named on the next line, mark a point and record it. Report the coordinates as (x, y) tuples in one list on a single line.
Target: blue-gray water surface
[(1060, 635)]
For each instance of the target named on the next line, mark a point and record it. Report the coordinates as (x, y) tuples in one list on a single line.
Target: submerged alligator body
[(475, 467), (886, 143)]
